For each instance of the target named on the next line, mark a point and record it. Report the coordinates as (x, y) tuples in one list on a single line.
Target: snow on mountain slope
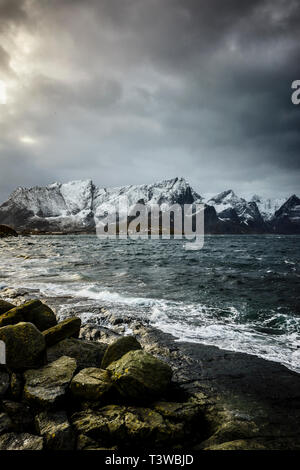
[(228, 205), (163, 193), (56, 207), (268, 207), (79, 205)]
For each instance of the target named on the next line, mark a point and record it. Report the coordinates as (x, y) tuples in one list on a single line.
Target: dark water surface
[(239, 292)]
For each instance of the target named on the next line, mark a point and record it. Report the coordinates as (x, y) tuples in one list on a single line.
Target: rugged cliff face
[(78, 206)]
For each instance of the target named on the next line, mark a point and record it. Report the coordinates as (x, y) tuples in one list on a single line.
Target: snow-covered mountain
[(235, 210), (163, 193), (77, 206), (287, 217), (268, 206)]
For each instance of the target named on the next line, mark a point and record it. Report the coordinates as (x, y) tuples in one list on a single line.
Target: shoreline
[(249, 402)]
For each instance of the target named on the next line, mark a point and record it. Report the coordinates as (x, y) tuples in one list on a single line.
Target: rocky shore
[(70, 386)]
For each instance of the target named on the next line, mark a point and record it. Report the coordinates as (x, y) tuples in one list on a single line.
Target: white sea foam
[(206, 326)]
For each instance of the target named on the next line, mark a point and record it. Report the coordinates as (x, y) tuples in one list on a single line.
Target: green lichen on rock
[(125, 426), (56, 430), (86, 353), (91, 384), (140, 376), (65, 329), (5, 306), (25, 345), (118, 348), (46, 387), (33, 311), (40, 315)]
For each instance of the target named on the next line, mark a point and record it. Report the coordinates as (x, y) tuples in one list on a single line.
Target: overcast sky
[(134, 91)]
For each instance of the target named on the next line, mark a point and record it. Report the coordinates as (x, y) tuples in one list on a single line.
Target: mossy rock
[(91, 384), (46, 387), (118, 348), (56, 430), (86, 353), (140, 376), (5, 306), (127, 426), (25, 345), (40, 315), (65, 329), (6, 231), (33, 311), (22, 441)]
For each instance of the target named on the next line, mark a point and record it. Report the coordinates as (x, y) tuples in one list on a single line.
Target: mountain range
[(77, 206)]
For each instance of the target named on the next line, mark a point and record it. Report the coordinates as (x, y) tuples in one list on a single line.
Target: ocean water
[(240, 293)]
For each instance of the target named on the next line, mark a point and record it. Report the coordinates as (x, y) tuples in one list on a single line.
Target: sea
[(238, 292)]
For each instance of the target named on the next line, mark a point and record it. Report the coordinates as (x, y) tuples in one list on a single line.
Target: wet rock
[(65, 329), (118, 348), (125, 426), (86, 353), (56, 430), (20, 414), (6, 423), (6, 231), (187, 412), (24, 441), (91, 384), (46, 387), (25, 345), (5, 306), (139, 375), (101, 333), (4, 382)]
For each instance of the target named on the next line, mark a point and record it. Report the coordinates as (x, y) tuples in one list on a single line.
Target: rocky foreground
[(72, 387)]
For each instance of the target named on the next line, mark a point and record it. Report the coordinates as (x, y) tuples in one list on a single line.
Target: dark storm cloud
[(137, 90)]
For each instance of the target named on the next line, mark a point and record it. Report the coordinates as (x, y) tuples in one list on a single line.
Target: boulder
[(118, 348), (65, 329), (6, 423), (24, 441), (20, 414), (91, 384), (5, 306), (4, 382), (19, 313), (41, 316), (125, 426), (140, 376), (86, 353), (6, 231), (25, 345), (56, 430), (46, 387)]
